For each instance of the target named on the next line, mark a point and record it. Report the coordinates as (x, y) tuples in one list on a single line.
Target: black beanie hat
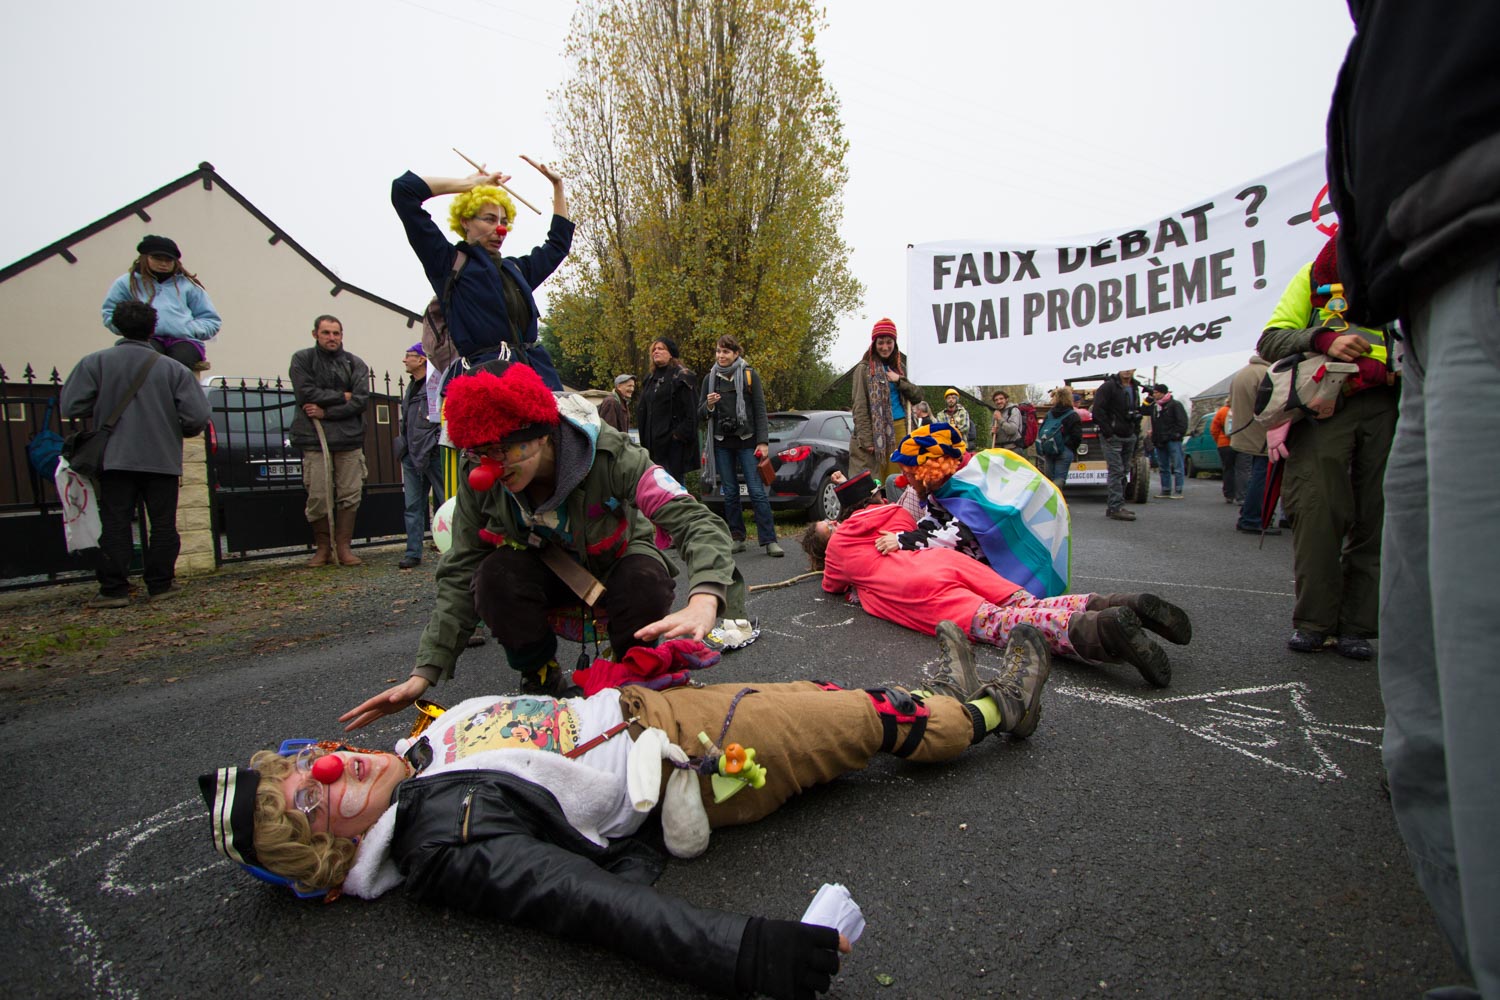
[(159, 245), (668, 343)]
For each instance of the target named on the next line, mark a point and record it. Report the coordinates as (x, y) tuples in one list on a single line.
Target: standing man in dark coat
[(1169, 425), (1117, 412), (332, 388), (143, 459), (421, 458), (667, 413)]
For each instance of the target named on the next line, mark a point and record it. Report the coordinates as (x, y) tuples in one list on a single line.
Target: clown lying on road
[(863, 554), (534, 809)]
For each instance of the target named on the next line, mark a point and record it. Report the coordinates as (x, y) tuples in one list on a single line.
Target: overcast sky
[(986, 120)]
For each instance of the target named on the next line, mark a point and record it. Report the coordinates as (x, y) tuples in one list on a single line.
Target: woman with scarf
[(878, 401), (732, 402)]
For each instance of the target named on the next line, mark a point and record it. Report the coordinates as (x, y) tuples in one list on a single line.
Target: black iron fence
[(254, 474)]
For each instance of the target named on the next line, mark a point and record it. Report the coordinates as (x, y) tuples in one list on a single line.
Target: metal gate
[(255, 474)]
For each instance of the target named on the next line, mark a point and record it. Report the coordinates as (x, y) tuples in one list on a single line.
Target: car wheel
[(825, 506)]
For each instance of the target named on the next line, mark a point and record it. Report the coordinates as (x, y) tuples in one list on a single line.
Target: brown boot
[(1017, 692), (1162, 617), (343, 534), (324, 541), (1114, 635)]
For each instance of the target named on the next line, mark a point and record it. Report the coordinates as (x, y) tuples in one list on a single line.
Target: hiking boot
[(1355, 647), (1257, 531), (103, 601), (1162, 617), (407, 562), (175, 590), (1120, 514), (775, 551), (1305, 640), (738, 546), (551, 681), (955, 674), (1114, 635), (1024, 667)]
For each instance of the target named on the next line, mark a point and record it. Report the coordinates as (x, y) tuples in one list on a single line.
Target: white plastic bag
[(80, 500)]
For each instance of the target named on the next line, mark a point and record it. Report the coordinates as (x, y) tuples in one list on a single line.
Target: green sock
[(990, 711)]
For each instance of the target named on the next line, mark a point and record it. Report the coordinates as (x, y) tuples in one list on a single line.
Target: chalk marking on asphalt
[(99, 969), (79, 935), (1247, 734), (111, 881), (797, 620), (1191, 586)]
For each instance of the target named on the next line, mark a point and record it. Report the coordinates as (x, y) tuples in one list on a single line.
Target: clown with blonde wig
[(483, 299)]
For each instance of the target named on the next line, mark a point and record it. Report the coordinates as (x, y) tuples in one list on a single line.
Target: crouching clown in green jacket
[(557, 509)]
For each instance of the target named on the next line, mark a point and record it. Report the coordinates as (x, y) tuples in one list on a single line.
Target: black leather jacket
[(492, 843), (1117, 408)]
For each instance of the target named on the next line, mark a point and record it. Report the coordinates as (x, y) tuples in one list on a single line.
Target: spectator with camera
[(732, 402)]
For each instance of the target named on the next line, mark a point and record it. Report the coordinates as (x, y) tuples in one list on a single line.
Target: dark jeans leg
[(1226, 463), (638, 591), (760, 501), (163, 543), (117, 499), (726, 463), (1255, 488)]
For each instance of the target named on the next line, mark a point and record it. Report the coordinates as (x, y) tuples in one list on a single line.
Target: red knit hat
[(1325, 270), (883, 328), (485, 409)]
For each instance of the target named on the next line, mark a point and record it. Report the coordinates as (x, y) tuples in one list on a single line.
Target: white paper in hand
[(834, 907)]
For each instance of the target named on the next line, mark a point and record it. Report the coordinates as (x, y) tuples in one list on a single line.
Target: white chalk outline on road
[(1190, 586), (1257, 721), (82, 939)]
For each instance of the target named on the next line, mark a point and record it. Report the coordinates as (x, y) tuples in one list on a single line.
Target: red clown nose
[(327, 770), (484, 476)]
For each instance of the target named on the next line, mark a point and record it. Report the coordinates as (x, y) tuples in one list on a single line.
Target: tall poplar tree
[(705, 161)]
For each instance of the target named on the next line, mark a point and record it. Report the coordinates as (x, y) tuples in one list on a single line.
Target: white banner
[(1198, 282)]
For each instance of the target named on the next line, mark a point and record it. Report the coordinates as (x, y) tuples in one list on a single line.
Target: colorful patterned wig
[(467, 205), (933, 441)]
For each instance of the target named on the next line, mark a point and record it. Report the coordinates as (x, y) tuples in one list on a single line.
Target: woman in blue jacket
[(185, 318)]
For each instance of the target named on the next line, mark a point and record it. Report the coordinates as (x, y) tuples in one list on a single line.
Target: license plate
[(279, 470)]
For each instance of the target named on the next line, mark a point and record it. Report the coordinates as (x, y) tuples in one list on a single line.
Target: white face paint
[(361, 773)]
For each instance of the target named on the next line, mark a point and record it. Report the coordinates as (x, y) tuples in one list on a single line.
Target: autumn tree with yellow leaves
[(705, 162)]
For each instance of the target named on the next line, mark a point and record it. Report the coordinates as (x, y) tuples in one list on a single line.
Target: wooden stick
[(477, 167)]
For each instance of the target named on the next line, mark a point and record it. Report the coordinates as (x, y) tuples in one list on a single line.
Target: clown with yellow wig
[(484, 299)]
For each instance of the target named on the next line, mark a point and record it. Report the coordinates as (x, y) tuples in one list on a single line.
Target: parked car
[(1200, 449), (1089, 470), (807, 448), (247, 435)]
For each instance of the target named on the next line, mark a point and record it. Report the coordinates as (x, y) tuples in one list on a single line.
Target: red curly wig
[(485, 409)]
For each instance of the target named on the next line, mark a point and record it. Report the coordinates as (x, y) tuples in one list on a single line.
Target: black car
[(248, 443), (807, 448)]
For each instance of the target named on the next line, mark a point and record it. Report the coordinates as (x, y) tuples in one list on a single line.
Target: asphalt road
[(1226, 837)]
